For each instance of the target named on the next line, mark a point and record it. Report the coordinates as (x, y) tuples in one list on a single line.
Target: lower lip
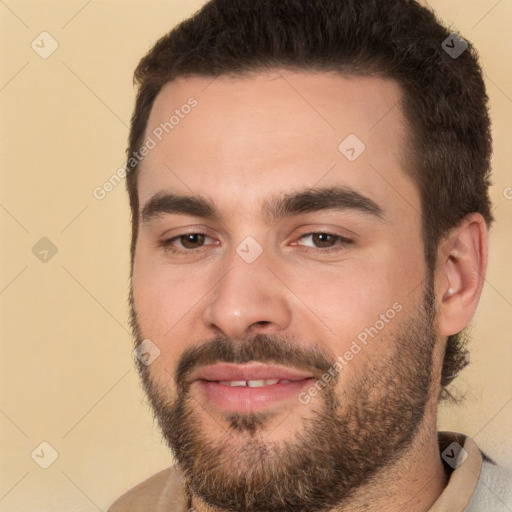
[(245, 399)]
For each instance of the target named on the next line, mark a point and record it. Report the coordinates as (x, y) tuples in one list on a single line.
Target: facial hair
[(348, 437)]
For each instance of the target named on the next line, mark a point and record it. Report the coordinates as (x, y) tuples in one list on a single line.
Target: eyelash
[(168, 244), (343, 242)]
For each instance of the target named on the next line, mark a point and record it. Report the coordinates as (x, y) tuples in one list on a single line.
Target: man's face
[(307, 253)]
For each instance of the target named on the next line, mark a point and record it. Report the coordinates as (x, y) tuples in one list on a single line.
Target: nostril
[(261, 323)]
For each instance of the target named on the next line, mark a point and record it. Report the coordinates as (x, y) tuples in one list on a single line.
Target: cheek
[(158, 321), (162, 295), (361, 301), (353, 295), (169, 302), (159, 306)]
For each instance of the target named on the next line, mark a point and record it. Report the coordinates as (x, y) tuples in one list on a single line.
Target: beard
[(342, 441)]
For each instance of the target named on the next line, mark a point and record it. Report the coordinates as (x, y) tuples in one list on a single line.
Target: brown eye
[(188, 244), (323, 239), (192, 240)]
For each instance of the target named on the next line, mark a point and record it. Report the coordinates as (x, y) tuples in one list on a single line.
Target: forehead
[(275, 131)]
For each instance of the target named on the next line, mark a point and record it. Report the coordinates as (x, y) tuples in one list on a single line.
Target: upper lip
[(250, 371)]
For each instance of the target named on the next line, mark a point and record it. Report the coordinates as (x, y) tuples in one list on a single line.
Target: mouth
[(251, 383), (249, 387)]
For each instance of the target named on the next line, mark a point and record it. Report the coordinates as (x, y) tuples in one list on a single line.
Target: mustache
[(260, 348)]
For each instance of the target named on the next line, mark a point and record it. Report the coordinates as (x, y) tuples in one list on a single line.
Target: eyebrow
[(167, 204), (294, 203), (317, 199)]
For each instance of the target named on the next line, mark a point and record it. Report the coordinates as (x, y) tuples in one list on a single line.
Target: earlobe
[(462, 262)]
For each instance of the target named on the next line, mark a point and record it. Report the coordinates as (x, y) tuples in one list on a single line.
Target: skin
[(259, 137)]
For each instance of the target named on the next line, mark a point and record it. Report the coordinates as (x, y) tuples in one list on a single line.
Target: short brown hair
[(444, 98)]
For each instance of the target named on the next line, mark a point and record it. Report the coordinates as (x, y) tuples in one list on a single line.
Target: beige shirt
[(164, 491)]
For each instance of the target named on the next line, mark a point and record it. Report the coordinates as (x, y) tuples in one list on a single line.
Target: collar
[(463, 458)]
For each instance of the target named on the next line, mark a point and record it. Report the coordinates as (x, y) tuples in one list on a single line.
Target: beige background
[(67, 375)]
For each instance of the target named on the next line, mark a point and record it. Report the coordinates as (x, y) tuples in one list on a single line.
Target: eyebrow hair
[(163, 203), (293, 203), (316, 199)]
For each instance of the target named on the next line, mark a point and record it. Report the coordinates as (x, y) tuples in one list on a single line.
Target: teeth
[(259, 383), (232, 383), (249, 383)]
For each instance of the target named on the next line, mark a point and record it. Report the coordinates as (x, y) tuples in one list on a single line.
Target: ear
[(460, 273)]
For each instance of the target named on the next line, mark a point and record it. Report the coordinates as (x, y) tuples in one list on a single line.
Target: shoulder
[(493, 491), (161, 492)]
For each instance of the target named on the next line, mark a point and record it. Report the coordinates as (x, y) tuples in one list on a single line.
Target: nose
[(248, 299)]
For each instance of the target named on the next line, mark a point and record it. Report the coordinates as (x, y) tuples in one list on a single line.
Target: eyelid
[(342, 240), (340, 243), (167, 242), (206, 236), (338, 231)]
